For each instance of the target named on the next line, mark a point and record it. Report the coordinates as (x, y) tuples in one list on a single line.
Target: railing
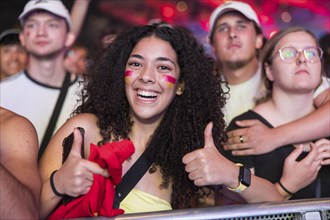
[(305, 209)]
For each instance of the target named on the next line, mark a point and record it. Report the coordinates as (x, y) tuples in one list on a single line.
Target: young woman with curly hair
[(155, 86)]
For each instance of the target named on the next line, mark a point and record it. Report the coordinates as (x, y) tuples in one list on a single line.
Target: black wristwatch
[(244, 179)]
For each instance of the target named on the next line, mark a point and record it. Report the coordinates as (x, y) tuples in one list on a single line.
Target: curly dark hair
[(182, 128)]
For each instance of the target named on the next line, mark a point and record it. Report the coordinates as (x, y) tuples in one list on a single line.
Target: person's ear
[(71, 37), (259, 41), (269, 73), (180, 88), (21, 38)]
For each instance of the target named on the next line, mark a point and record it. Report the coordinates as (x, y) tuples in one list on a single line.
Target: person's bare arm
[(20, 181), (207, 166), (78, 14), (259, 139), (75, 176)]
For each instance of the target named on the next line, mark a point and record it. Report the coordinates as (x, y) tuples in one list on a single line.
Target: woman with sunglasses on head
[(292, 63)]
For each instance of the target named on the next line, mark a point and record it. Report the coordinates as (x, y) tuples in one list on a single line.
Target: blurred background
[(111, 16)]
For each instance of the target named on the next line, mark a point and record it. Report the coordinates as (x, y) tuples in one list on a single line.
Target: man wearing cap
[(236, 38), (44, 84), (13, 57)]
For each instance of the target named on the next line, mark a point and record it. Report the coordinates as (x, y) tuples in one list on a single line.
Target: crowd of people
[(249, 123)]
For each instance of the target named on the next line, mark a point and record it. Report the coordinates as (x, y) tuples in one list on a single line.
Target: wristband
[(51, 180), (285, 189)]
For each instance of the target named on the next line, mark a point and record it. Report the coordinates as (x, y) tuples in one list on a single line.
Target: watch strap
[(241, 187)]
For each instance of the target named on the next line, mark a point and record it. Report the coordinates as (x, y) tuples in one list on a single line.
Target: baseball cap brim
[(8, 32)]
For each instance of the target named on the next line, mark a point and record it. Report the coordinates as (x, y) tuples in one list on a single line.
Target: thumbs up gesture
[(75, 177), (206, 166)]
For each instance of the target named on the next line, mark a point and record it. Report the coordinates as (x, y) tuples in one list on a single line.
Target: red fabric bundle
[(99, 199)]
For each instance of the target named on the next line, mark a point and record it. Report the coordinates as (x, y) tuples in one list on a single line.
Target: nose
[(147, 76), (232, 33), (41, 30), (301, 59), (13, 54)]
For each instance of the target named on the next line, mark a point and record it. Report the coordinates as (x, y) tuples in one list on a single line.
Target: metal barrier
[(305, 209)]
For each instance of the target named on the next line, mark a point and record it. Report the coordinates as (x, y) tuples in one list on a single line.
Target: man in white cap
[(13, 57), (236, 38), (44, 93)]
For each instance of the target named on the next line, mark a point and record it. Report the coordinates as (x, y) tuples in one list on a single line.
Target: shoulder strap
[(56, 112), (131, 178)]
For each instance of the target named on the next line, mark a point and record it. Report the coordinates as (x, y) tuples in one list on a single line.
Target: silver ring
[(241, 139)]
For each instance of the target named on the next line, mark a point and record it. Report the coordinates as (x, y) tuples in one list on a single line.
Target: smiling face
[(13, 59), (151, 77), (297, 76), (235, 39)]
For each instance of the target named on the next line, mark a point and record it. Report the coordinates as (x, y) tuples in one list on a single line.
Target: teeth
[(147, 94)]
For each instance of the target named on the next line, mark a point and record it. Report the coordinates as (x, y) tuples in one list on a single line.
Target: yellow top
[(139, 201)]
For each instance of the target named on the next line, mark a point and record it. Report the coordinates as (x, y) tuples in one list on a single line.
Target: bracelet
[(51, 179), (285, 189)]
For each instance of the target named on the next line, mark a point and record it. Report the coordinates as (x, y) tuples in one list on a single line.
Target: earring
[(180, 89)]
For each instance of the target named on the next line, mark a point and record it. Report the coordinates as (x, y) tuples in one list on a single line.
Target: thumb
[(246, 123), (295, 154), (76, 143), (208, 138)]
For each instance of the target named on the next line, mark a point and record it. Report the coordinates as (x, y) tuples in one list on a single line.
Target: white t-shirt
[(35, 101), (244, 96)]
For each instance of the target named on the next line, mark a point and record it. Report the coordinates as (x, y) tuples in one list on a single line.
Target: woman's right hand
[(75, 177)]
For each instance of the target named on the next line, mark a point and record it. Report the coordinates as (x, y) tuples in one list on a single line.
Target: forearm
[(78, 14), (311, 127), (17, 201), (48, 200), (261, 190), (284, 194)]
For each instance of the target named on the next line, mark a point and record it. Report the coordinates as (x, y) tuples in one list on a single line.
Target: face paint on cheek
[(170, 80), (127, 75)]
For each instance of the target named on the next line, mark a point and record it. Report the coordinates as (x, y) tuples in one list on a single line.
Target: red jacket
[(99, 199)]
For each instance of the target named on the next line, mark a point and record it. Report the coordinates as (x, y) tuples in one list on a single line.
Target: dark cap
[(10, 36)]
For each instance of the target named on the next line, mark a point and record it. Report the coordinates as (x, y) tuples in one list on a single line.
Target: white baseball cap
[(241, 7), (55, 7)]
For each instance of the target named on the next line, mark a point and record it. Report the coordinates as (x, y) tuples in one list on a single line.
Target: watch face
[(245, 176)]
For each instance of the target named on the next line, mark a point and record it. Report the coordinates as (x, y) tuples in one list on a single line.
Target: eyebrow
[(237, 22), (158, 58), (47, 20)]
